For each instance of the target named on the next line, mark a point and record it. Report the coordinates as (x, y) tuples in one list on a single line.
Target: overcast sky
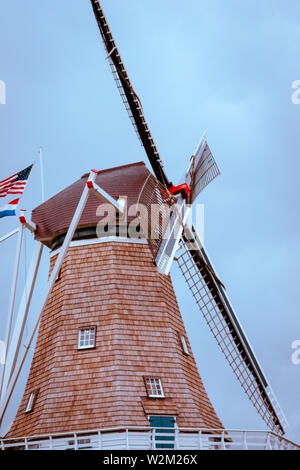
[(224, 66)]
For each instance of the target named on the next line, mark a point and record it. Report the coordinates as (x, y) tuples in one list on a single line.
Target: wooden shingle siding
[(115, 287)]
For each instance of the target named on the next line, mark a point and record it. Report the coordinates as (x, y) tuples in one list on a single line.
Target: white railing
[(142, 438)]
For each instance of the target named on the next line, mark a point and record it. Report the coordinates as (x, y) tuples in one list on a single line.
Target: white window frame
[(184, 345), (155, 383), (86, 346), (30, 402)]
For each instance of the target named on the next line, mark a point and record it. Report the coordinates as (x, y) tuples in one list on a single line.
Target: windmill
[(57, 399)]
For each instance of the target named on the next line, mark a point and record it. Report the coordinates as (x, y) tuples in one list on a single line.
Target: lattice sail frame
[(129, 97), (115, 72), (225, 327), (202, 170), (208, 169)]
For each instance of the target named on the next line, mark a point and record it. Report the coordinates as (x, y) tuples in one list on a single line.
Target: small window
[(58, 276), (86, 337), (154, 387), (30, 402), (184, 345)]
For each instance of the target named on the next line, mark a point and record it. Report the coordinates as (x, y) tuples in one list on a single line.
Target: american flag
[(16, 183)]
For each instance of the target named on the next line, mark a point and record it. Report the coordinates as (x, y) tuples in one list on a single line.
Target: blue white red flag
[(15, 184)]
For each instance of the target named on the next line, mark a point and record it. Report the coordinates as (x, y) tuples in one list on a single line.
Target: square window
[(86, 337), (154, 387)]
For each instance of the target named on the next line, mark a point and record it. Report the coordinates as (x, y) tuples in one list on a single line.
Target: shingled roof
[(54, 216)]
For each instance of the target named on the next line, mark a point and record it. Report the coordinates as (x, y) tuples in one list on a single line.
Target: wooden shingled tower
[(112, 349)]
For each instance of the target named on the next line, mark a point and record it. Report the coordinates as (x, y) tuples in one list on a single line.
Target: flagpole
[(42, 174), (12, 302)]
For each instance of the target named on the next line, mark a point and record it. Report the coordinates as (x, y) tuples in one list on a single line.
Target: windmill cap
[(54, 216)]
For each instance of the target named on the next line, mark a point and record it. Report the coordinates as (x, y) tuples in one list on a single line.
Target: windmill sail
[(130, 98), (227, 330), (202, 169)]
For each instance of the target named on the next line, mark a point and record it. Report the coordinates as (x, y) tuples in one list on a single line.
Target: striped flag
[(15, 184)]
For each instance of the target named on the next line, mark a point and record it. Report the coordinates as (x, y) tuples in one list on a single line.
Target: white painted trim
[(140, 438), (161, 395), (87, 346), (105, 197), (96, 241)]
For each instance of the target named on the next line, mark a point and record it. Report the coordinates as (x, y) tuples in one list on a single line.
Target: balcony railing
[(139, 438)]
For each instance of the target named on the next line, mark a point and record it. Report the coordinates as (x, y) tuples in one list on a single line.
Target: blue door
[(164, 438)]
